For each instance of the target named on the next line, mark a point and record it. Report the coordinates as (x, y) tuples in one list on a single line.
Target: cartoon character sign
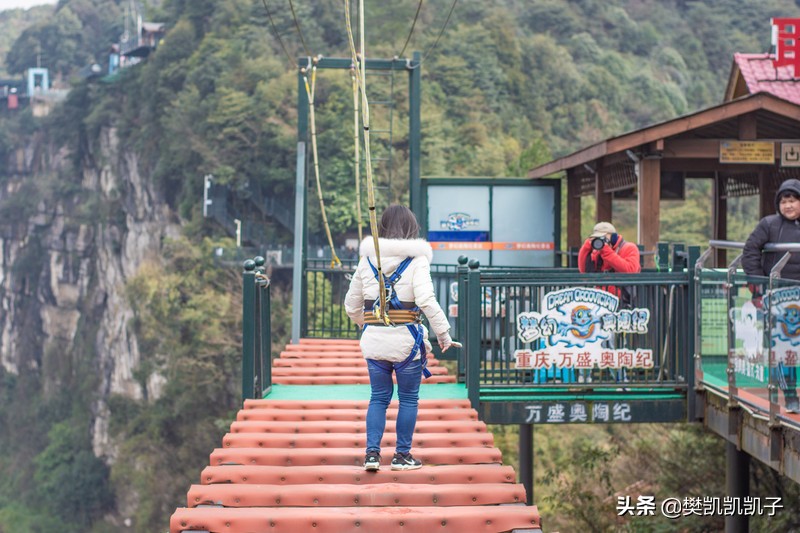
[(583, 322), (580, 319), (784, 306), (748, 329), (789, 322)]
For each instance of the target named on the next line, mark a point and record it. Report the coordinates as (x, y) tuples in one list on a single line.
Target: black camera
[(599, 242)]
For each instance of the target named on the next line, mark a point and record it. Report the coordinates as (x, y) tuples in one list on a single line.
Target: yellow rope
[(335, 261), (357, 155), (380, 310)]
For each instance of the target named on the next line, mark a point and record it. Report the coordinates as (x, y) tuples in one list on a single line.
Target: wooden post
[(573, 210), (720, 218), (737, 481), (604, 204), (766, 190), (649, 181), (748, 127), (526, 460)]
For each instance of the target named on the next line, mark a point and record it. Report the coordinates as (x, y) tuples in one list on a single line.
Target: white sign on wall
[(790, 154)]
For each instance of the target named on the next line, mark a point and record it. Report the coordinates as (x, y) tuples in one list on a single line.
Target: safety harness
[(400, 313)]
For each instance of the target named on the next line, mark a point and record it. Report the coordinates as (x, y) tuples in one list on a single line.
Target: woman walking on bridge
[(399, 347)]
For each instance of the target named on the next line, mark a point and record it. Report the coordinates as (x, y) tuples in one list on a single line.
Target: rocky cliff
[(72, 232)]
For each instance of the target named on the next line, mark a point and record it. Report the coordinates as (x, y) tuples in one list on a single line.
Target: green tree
[(69, 477)]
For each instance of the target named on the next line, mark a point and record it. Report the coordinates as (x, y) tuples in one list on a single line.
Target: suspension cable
[(335, 261), (436, 42), (381, 312), (413, 24), (357, 154), (278, 35), (297, 25)]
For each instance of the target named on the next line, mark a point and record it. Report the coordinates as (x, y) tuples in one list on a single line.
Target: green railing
[(491, 337), (498, 300), (256, 330), (324, 315)]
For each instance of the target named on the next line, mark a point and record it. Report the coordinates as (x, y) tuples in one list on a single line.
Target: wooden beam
[(664, 130), (649, 181), (603, 206), (733, 81), (748, 127), (573, 210), (699, 119), (571, 161), (691, 149), (709, 165), (766, 196), (781, 107)]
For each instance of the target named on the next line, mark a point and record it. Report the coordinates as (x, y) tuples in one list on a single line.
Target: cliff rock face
[(65, 260)]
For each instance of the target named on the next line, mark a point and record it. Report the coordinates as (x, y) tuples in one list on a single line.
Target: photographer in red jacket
[(606, 251)]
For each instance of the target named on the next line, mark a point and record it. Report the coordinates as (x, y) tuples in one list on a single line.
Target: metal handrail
[(256, 331), (726, 245)]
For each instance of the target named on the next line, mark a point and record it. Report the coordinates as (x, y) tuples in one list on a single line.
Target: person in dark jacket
[(782, 227)]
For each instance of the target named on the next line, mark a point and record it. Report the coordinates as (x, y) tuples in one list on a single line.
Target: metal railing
[(256, 331), (483, 305), (324, 315), (748, 331), (499, 301)]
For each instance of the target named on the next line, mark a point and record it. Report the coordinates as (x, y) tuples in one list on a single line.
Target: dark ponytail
[(398, 222)]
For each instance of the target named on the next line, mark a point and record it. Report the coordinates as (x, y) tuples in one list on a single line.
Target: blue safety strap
[(394, 301), (416, 330)]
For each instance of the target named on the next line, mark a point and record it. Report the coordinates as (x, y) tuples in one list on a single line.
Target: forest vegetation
[(510, 84)]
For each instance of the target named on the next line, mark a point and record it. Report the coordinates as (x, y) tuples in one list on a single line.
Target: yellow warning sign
[(762, 152)]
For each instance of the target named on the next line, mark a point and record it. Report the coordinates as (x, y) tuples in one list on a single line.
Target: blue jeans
[(380, 379), (786, 376)]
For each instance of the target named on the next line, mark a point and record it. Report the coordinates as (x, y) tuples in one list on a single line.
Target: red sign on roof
[(787, 52)]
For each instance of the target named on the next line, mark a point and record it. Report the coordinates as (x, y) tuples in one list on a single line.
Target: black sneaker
[(405, 461), (372, 462), (792, 405)]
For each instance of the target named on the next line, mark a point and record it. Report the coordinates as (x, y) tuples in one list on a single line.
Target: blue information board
[(500, 222)]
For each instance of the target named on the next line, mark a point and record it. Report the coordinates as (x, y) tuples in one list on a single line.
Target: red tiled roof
[(295, 465), (760, 76)]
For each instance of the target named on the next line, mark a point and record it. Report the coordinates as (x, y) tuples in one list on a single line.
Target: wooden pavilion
[(747, 145)]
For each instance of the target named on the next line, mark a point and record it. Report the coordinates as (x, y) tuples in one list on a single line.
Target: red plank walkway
[(293, 462)]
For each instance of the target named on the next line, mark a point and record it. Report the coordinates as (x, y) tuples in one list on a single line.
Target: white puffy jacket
[(415, 285)]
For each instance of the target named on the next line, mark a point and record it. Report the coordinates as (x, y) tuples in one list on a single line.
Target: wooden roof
[(776, 118)]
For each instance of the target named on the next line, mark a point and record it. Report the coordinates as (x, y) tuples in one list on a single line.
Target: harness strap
[(405, 306), (419, 346), (394, 302), (397, 316), (403, 314)]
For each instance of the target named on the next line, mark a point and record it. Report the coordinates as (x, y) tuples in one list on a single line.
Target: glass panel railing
[(748, 355), (712, 324), (781, 305)]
